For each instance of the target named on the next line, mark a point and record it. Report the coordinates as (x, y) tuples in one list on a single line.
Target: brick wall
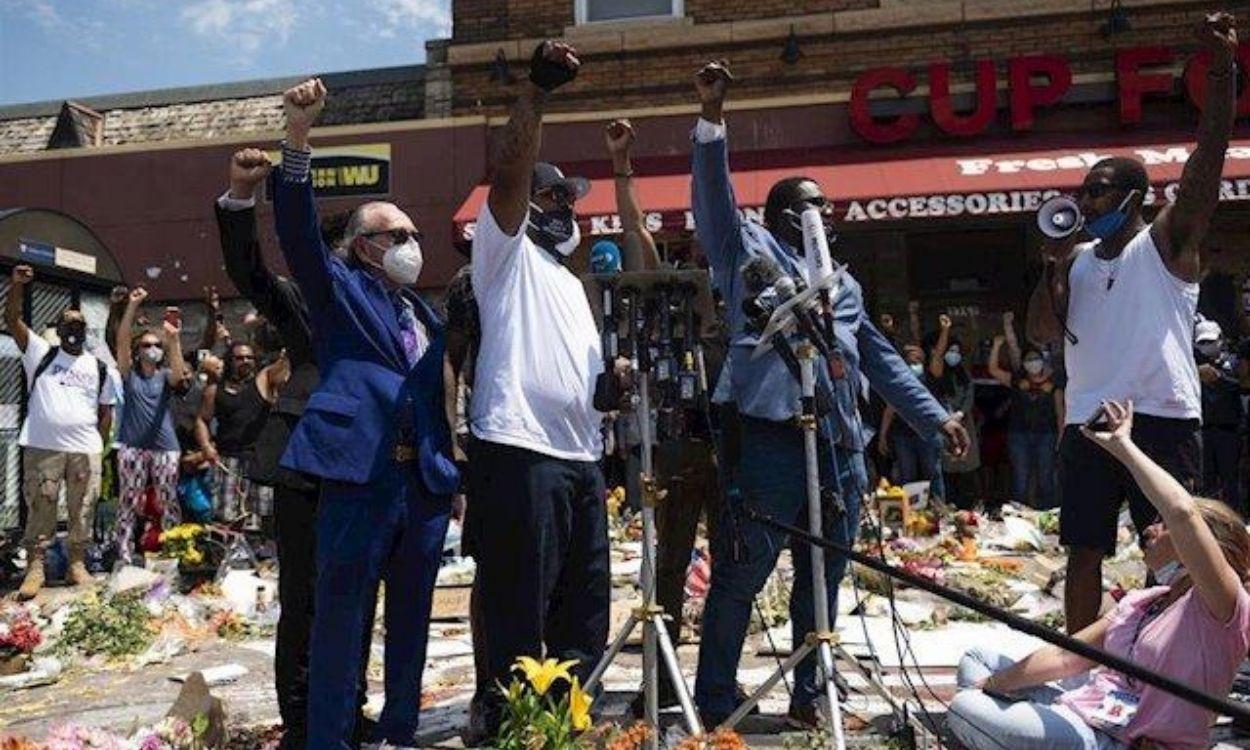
[(830, 63), (492, 20)]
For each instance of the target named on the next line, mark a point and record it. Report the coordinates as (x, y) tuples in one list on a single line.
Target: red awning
[(924, 187)]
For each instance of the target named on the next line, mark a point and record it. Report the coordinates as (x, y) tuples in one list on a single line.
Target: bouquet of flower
[(180, 543), (18, 632), (534, 719)]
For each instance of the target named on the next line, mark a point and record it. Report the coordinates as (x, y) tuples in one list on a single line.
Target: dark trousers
[(1221, 465), (540, 534), (392, 530), (687, 470), (771, 476), (295, 521)]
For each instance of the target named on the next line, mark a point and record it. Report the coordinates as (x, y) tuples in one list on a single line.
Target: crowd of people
[(354, 412)]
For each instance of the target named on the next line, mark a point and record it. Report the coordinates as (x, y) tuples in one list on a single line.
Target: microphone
[(787, 288)]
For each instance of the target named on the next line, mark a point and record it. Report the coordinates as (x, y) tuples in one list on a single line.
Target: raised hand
[(553, 65), (1218, 33), (944, 322), (248, 168), (172, 327), (1009, 319), (302, 104), (137, 296), (119, 294), (712, 84), (619, 137), (22, 275)]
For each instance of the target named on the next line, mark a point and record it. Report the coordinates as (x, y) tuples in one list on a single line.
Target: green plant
[(114, 627), (534, 719)]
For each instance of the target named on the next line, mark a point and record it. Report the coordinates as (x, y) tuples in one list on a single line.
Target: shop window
[(596, 11)]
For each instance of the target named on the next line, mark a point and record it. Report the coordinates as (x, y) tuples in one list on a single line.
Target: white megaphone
[(1060, 217)]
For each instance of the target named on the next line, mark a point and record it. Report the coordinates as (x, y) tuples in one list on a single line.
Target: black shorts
[(1094, 485)]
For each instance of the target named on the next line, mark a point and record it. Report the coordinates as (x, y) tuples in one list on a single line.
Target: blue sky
[(62, 49)]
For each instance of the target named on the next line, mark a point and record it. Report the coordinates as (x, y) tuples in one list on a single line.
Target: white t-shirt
[(63, 411), (1134, 322), (535, 374)]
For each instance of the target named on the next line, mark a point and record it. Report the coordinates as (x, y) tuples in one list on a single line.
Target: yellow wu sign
[(338, 171)]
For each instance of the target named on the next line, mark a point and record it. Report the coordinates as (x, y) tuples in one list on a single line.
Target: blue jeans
[(1033, 457), (916, 459), (982, 722), (772, 479)]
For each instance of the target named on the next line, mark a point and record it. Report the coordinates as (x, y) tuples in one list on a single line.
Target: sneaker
[(804, 717)]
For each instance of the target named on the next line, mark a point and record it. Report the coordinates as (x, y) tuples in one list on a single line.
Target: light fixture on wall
[(791, 54), (499, 71), (1117, 21)]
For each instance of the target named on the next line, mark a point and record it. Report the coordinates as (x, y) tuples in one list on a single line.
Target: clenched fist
[(248, 168), (619, 137), (944, 322), (137, 295), (1218, 33), (712, 83), (302, 104), (23, 275)]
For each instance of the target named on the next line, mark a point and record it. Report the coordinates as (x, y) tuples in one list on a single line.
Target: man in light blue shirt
[(771, 473)]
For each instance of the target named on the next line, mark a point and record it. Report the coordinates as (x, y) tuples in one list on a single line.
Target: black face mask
[(72, 336), (555, 231)]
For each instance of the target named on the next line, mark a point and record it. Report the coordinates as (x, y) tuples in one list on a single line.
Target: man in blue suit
[(375, 431), (771, 472)]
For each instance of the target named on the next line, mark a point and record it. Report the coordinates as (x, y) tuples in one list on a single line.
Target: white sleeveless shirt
[(1134, 322)]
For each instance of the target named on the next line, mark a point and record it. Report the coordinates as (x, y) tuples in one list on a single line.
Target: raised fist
[(944, 322), (23, 275), (248, 168), (212, 298), (137, 295), (302, 104), (1218, 33), (712, 82), (619, 137), (553, 65), (1009, 318), (172, 327), (119, 294), (999, 340)]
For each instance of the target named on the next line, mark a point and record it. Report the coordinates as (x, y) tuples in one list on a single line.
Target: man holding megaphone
[(1123, 302)]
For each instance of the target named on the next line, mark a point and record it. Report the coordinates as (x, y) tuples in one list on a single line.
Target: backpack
[(46, 362)]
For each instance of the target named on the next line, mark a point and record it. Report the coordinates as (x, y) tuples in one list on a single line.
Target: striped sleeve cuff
[(296, 163)]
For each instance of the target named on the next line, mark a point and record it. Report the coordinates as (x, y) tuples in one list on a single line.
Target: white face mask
[(953, 358), (154, 354), (1033, 366), (917, 368), (1169, 573), (567, 247), (403, 263)]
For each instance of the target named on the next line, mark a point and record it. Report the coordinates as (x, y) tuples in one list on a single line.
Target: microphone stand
[(650, 615)]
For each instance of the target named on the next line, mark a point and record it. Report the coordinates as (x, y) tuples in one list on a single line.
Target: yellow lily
[(579, 707), (542, 675)]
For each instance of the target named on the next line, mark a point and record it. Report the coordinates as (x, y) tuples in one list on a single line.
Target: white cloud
[(242, 25), (76, 27), (403, 17)]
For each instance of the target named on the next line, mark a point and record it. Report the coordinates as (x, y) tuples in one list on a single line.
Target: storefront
[(72, 269)]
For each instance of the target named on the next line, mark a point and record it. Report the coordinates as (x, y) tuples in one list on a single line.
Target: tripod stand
[(655, 640), (822, 641)]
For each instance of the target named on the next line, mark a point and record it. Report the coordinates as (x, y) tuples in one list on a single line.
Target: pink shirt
[(1185, 642)]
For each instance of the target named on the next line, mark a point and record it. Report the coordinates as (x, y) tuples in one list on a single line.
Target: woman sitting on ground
[(1194, 627)]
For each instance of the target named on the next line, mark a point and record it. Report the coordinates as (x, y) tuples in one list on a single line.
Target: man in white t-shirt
[(68, 414), (1124, 305), (536, 494)]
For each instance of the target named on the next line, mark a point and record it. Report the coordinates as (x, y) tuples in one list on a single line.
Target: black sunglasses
[(1097, 190), (149, 345), (398, 236), (559, 193)]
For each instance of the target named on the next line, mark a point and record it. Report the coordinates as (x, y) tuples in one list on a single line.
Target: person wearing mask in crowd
[(1193, 626), (282, 315), (375, 431), (69, 415), (536, 492), (149, 451), (952, 385), (771, 469), (1124, 305), (1222, 414), (1036, 418), (240, 404), (916, 458)]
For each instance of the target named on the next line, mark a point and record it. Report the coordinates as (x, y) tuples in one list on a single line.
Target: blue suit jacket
[(367, 391), (763, 387)]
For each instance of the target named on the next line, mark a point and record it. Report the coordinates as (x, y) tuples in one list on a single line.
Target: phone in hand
[(1097, 421), (173, 315)]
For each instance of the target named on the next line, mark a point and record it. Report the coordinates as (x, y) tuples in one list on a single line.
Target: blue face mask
[(1109, 224)]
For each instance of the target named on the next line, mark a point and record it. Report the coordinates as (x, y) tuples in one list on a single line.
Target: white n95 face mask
[(402, 263)]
